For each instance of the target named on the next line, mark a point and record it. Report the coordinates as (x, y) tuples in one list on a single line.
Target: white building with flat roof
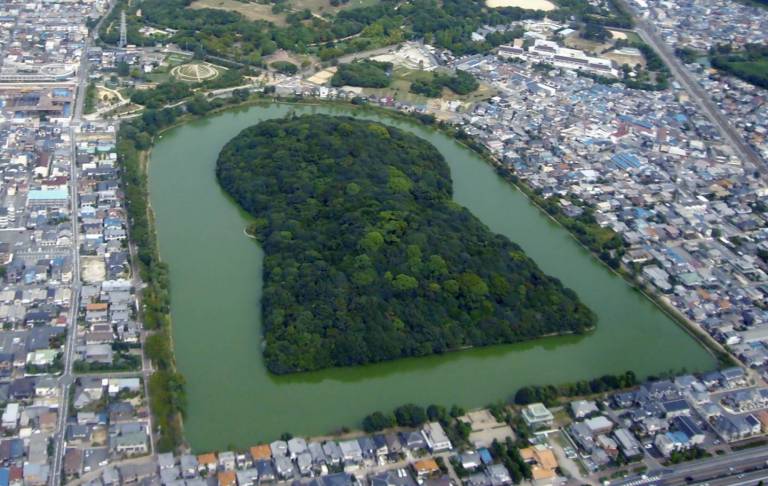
[(536, 414), (436, 438), (562, 57)]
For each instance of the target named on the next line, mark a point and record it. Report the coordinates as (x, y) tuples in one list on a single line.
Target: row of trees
[(167, 395), (509, 454), (550, 394), (166, 385), (603, 242), (412, 416)]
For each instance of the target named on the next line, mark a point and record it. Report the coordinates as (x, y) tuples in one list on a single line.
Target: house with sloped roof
[(393, 477), (266, 470), (332, 452), (351, 452)]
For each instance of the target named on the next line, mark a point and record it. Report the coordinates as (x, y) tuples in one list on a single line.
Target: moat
[(216, 283)]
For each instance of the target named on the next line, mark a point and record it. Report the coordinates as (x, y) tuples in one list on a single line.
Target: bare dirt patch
[(323, 76), (617, 34), (93, 269), (485, 428)]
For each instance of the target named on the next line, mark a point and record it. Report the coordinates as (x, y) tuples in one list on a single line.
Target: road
[(650, 36), (67, 379), (727, 468), (146, 364), (749, 479), (568, 465)]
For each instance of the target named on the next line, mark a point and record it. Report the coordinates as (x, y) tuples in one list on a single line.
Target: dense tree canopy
[(367, 256), (365, 74), (447, 24), (285, 67), (460, 83), (749, 64)]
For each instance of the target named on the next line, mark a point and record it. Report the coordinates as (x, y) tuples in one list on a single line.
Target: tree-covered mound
[(368, 258)]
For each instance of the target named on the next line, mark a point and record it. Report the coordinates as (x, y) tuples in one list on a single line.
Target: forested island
[(368, 259)]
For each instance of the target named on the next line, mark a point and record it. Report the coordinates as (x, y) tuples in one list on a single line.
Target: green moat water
[(216, 286)]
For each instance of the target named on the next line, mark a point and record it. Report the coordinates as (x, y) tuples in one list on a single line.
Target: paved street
[(730, 466), (67, 378)]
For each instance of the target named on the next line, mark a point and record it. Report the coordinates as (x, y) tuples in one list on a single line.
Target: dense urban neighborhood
[(646, 140)]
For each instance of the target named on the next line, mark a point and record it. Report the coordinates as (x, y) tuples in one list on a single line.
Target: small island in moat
[(367, 257)]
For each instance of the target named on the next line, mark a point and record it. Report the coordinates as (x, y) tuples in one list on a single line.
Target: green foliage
[(549, 394), (56, 367), (461, 83), (285, 67), (617, 16), (654, 66), (687, 54), (167, 395), (224, 33), (123, 68), (365, 74), (164, 94), (425, 88), (389, 271), (604, 242), (168, 401), (750, 64), (227, 78), (688, 455), (595, 32), (447, 24), (90, 98), (377, 421), (158, 349), (437, 413), (410, 415), (509, 455)]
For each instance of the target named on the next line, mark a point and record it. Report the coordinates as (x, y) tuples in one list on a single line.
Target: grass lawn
[(176, 59), (157, 76), (562, 417), (576, 42), (756, 68), (249, 10), (633, 37)]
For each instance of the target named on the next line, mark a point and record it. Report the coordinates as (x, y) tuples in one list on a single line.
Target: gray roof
[(165, 460)]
